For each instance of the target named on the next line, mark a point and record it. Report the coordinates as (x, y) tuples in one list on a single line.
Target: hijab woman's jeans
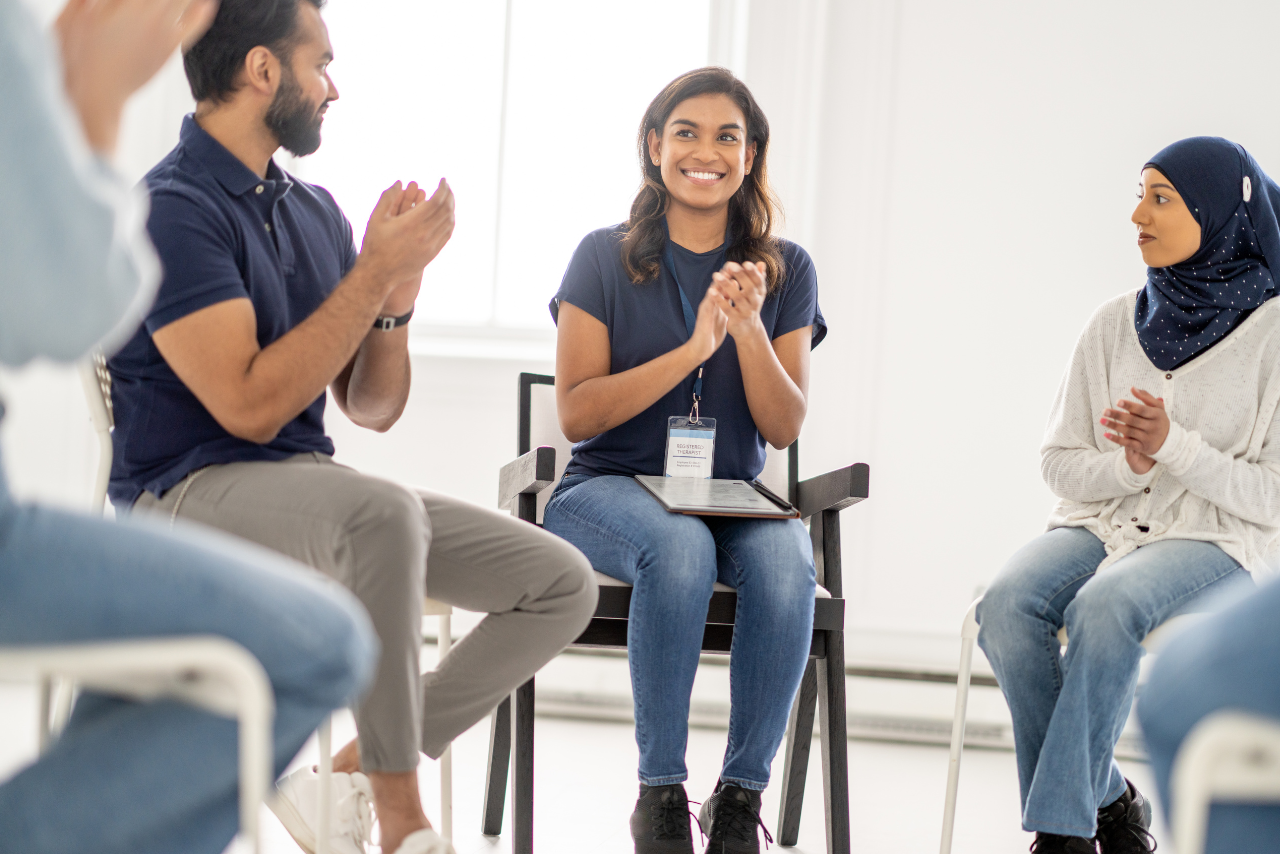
[(161, 777), (673, 561), (1069, 707), (1230, 661)]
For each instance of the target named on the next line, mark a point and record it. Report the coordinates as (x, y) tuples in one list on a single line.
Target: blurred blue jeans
[(1230, 661), (672, 561), (1069, 709), (162, 777)]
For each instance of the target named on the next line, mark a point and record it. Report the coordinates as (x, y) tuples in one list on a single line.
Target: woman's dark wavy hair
[(752, 210), (214, 63)]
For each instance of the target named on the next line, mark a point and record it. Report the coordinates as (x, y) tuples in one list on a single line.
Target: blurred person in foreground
[(76, 269), (265, 308), (1229, 661), (1164, 450)]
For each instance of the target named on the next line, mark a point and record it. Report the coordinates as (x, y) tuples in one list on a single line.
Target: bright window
[(422, 86)]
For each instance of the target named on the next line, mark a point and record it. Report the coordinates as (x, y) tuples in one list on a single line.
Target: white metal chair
[(968, 636), (96, 380), (1229, 756)]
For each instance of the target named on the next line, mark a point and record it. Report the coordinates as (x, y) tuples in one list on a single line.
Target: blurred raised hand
[(111, 48)]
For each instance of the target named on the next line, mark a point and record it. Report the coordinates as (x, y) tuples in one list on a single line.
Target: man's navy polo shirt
[(646, 320), (222, 233)]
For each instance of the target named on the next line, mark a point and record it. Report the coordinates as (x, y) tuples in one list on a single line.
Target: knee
[(999, 613), (1101, 614), (393, 515), (342, 668), (573, 588), (680, 557)]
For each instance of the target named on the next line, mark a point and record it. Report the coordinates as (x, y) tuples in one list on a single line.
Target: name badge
[(691, 447)]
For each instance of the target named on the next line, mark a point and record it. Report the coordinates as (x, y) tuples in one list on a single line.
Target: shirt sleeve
[(583, 284), (197, 247), (75, 265), (1072, 464), (799, 298), (1247, 490)]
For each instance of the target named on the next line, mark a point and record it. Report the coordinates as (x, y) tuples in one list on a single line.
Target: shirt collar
[(236, 178)]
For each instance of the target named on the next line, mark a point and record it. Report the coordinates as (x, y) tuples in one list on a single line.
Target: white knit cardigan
[(1217, 476)]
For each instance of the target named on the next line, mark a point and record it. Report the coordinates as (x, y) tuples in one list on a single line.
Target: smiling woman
[(633, 355)]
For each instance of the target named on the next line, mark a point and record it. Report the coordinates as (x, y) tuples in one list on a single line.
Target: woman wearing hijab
[(1164, 451)]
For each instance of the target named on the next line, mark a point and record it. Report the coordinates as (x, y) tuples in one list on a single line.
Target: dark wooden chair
[(524, 487)]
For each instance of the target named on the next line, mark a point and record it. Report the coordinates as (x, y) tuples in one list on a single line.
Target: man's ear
[(262, 71)]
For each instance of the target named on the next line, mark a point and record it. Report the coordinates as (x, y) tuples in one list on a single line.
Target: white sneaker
[(350, 812), (425, 841)]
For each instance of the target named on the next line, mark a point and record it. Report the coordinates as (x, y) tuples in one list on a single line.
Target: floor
[(586, 786)]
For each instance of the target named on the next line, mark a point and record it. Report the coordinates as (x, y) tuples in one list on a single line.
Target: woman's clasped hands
[(1140, 427), (731, 307), (739, 290)]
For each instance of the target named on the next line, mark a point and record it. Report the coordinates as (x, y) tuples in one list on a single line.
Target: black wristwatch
[(386, 322)]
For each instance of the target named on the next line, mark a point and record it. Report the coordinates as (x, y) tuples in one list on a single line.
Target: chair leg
[(522, 787), (835, 744), (796, 768), (324, 797), (968, 634), (44, 737), (495, 789), (445, 643)]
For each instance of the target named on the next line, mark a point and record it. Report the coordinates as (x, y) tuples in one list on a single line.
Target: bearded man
[(219, 403)]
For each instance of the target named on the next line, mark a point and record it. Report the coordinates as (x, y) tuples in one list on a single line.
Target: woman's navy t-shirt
[(647, 320)]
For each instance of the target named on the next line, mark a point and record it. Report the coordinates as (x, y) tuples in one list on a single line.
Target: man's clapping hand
[(406, 232)]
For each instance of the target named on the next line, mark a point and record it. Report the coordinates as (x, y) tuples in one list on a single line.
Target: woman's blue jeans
[(1230, 661), (1070, 707), (162, 777), (672, 561)]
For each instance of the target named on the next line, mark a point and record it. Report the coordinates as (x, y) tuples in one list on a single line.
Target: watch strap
[(387, 322)]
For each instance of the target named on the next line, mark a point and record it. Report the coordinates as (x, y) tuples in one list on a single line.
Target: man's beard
[(293, 119)]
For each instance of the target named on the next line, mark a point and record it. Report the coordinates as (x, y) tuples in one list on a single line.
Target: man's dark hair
[(214, 63)]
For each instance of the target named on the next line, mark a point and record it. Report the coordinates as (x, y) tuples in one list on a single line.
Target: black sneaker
[(660, 823), (729, 818), (1052, 843), (1123, 826)]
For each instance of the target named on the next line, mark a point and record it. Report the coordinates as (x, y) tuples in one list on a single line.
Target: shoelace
[(666, 815), (358, 810), (1136, 832), (1043, 842), (741, 820)]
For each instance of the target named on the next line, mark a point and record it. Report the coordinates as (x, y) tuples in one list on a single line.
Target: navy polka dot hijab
[(1186, 308)]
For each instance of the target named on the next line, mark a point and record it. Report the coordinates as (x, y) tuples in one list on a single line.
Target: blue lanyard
[(690, 316)]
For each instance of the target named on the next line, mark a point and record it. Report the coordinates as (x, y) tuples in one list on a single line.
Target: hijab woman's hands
[(739, 291), (110, 48), (1140, 427)]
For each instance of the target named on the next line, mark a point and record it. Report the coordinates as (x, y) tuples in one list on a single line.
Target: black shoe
[(1052, 843), (660, 823), (1123, 826), (729, 818)]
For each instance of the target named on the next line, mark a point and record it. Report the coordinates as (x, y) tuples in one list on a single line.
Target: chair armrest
[(834, 490), (527, 475)]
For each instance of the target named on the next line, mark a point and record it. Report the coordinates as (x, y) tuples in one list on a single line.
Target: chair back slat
[(544, 429), (540, 423)]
